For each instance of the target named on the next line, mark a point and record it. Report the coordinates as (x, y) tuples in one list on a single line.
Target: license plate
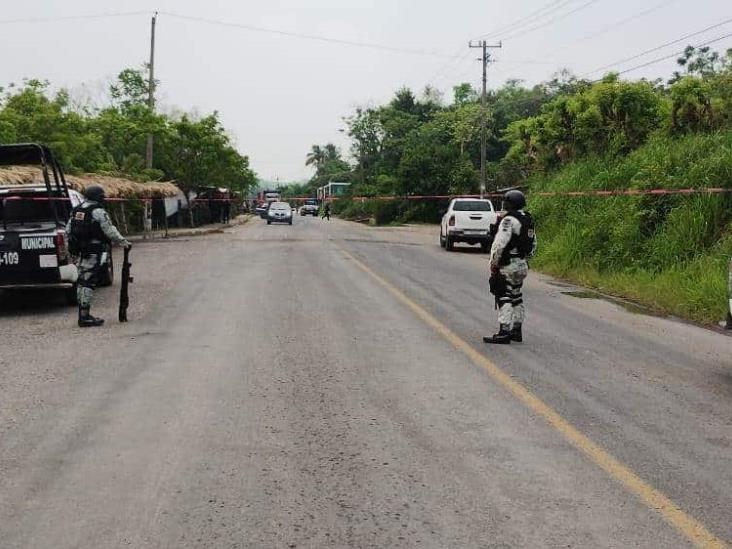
[(475, 232), (48, 261)]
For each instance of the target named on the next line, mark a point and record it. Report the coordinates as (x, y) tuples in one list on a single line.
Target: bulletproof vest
[(86, 233), (521, 244)]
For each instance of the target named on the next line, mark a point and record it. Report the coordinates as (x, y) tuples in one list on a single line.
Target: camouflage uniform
[(89, 264), (510, 302)]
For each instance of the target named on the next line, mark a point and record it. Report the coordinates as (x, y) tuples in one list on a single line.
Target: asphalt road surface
[(325, 385)]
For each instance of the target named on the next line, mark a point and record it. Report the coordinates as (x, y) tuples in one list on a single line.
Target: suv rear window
[(14, 211), (472, 206)]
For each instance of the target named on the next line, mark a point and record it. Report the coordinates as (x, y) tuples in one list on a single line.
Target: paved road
[(324, 385)]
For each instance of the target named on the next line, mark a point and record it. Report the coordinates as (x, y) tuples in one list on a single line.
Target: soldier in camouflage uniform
[(90, 230), (513, 245)]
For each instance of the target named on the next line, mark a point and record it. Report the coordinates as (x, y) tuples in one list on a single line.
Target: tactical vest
[(521, 244), (86, 233)]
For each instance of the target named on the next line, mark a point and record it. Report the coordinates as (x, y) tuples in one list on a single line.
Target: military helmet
[(94, 193), (514, 200)]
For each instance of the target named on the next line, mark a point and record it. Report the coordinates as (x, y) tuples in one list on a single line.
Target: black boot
[(516, 333), (86, 320), (503, 337)]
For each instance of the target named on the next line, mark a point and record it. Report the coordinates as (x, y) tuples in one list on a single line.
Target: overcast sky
[(278, 95)]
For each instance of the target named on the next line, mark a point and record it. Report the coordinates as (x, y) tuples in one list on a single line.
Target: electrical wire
[(707, 43), (73, 17), (657, 48), (616, 25), (547, 9), (318, 38), (551, 21), (448, 67)]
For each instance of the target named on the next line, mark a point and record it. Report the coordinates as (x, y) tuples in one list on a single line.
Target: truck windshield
[(472, 206)]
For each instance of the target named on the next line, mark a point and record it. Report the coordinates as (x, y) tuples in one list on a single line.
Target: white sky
[(278, 95)]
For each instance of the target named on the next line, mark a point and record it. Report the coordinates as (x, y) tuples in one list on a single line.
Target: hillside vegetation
[(670, 252)]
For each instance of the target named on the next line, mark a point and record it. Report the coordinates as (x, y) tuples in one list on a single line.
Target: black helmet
[(514, 200), (94, 193)]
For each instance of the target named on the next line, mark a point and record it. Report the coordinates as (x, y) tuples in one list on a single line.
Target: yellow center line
[(687, 525)]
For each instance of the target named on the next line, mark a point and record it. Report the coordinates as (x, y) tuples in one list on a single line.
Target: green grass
[(670, 253)]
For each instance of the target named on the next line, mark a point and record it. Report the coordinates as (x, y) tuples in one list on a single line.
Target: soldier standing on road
[(90, 231), (515, 242), (326, 211)]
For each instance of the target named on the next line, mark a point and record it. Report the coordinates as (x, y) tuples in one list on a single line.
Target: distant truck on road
[(268, 196)]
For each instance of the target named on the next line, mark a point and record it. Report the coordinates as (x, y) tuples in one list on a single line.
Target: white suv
[(469, 220)]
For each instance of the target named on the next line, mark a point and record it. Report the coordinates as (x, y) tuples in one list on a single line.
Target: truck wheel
[(485, 247), (442, 241), (269, 222), (290, 221), (107, 276), (449, 244)]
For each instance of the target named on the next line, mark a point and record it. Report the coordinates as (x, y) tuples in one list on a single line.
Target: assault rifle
[(124, 297)]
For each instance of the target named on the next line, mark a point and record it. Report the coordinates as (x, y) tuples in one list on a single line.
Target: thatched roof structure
[(115, 187)]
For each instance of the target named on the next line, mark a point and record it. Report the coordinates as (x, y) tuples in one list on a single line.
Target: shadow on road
[(32, 302), (468, 250)]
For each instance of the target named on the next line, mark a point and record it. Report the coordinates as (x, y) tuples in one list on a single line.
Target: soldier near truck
[(90, 231)]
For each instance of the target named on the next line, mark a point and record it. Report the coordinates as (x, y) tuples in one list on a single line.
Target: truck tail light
[(451, 222), (61, 251)]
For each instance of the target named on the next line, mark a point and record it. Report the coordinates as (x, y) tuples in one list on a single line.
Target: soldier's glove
[(127, 245)]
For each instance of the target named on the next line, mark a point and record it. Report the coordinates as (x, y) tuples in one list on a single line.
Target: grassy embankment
[(668, 252)]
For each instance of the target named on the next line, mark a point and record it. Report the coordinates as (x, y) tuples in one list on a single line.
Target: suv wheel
[(449, 244)]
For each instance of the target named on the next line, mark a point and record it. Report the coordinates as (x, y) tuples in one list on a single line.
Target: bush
[(669, 251)]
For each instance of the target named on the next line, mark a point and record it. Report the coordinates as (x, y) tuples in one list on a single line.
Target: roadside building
[(333, 189)]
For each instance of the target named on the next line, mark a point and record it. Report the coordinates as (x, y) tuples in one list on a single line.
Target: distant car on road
[(469, 220), (279, 212), (311, 207)]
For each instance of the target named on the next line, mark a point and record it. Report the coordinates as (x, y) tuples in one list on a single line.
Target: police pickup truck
[(33, 241)]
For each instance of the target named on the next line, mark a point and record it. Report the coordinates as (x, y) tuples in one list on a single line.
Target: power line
[(709, 42), (657, 48), (613, 26), (551, 21), (543, 11), (72, 17), (528, 18), (314, 37)]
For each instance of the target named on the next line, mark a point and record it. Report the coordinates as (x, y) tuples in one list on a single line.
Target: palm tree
[(331, 153), (315, 157)]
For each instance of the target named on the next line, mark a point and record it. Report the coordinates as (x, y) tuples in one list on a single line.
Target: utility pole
[(485, 59), (151, 91)]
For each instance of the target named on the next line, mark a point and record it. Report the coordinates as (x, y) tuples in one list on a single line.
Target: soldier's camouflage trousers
[(511, 302), (89, 272)]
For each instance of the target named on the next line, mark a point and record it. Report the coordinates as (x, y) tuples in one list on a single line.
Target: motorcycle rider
[(514, 243), (90, 231)]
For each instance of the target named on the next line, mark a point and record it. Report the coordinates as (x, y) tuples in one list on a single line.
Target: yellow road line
[(694, 530)]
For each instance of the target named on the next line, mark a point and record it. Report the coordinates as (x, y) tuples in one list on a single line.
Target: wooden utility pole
[(485, 59), (151, 91)]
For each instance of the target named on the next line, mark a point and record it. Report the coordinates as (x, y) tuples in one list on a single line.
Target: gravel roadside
[(40, 340)]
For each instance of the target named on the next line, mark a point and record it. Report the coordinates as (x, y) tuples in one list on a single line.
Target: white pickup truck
[(469, 220)]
